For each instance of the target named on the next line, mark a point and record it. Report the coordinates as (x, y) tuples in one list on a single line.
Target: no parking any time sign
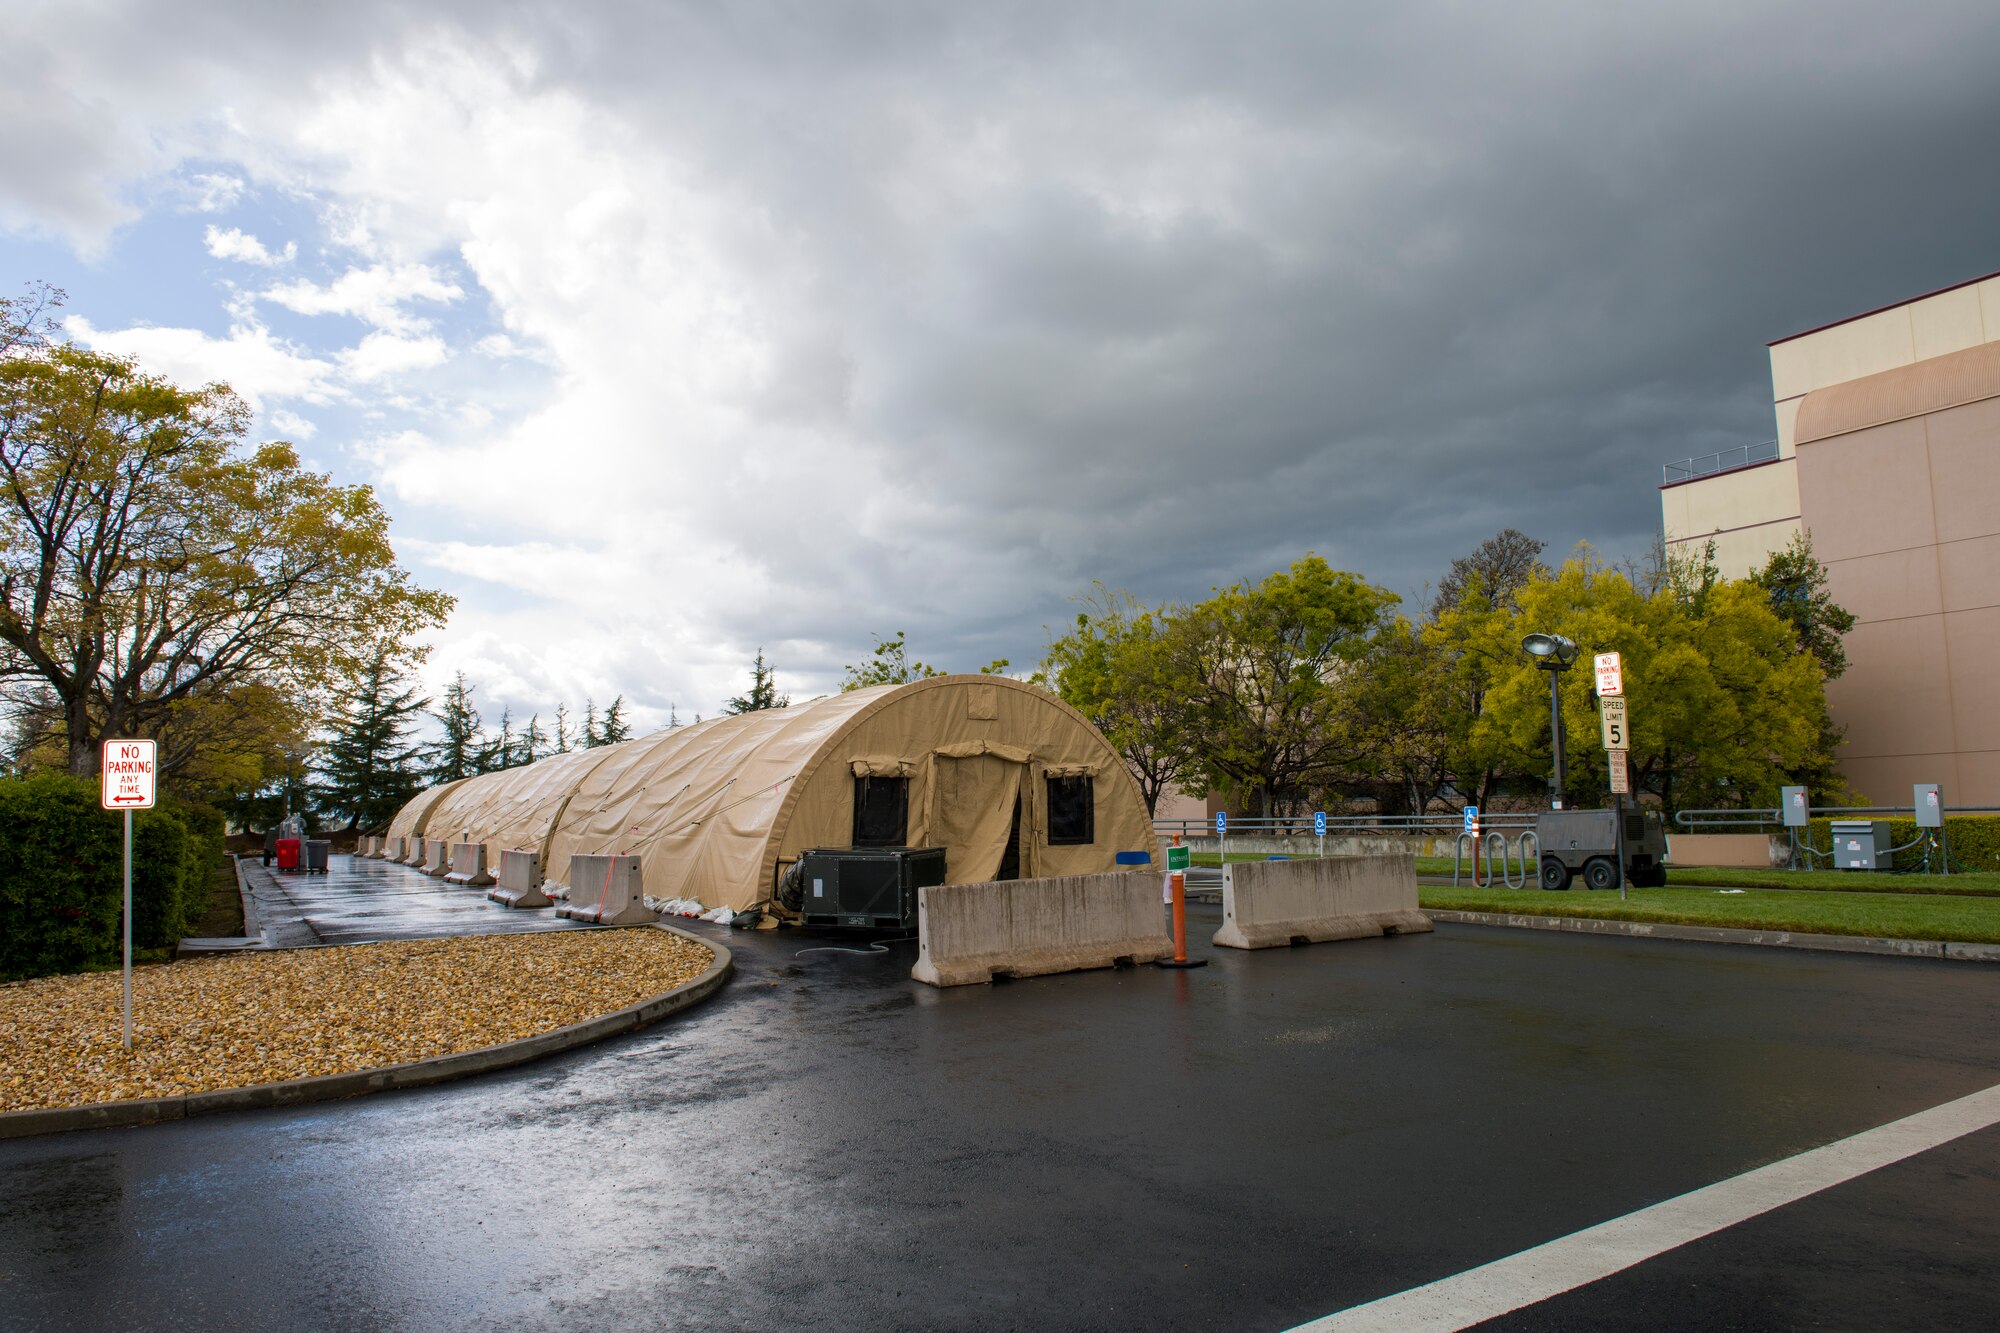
[(128, 775)]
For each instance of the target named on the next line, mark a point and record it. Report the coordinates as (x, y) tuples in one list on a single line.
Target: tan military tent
[(1008, 779), (413, 819)]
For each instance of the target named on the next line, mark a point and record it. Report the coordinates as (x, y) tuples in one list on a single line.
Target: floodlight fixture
[(1553, 654), (1552, 651)]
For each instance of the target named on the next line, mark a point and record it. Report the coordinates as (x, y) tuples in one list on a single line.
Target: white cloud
[(215, 193), (244, 248), (292, 426), (376, 295), (256, 365), (381, 355)]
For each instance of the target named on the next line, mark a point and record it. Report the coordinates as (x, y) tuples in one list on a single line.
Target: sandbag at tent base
[(606, 890), (520, 881), (970, 933), (468, 865), (1266, 904)]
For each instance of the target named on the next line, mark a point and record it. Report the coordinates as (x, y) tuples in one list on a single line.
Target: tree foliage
[(152, 568), (889, 664), (1114, 667), (1271, 670), (369, 765), (1795, 582), (459, 751), (763, 691)]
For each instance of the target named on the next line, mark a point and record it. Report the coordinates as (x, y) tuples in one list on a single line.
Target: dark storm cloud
[(1166, 295)]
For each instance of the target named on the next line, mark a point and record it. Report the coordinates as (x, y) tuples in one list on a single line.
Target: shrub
[(1973, 841), (61, 875), (60, 865)]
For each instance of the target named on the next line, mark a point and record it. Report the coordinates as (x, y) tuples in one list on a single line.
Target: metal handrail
[(1302, 826), (1723, 460), (1738, 818)]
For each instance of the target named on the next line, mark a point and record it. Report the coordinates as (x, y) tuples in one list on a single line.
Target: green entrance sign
[(1177, 858)]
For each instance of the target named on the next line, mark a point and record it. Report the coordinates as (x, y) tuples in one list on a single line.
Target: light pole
[(1553, 654)]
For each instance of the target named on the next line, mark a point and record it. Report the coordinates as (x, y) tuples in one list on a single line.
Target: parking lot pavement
[(1275, 1137), (358, 899)]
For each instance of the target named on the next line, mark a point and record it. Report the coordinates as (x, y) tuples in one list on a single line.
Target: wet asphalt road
[(1269, 1139)]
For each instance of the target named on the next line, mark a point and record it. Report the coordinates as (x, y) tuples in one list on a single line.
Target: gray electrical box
[(1930, 806), (1793, 808), (1861, 844)]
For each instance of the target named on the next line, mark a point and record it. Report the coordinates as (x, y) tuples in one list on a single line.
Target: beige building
[(1888, 453)]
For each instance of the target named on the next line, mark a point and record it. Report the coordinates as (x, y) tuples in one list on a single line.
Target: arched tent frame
[(715, 811)]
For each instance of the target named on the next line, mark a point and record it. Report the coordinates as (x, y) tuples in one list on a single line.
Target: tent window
[(1072, 811), (881, 811)]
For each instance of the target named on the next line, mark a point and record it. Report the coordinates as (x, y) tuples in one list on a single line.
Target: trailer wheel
[(1555, 875), (1599, 873)]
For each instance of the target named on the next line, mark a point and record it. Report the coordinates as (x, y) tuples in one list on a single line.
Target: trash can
[(1861, 844), (288, 853), (316, 854)]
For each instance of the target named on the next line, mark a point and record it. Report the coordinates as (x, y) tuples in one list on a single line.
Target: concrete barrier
[(437, 856), (520, 881), (608, 890), (392, 849), (468, 865), (1267, 903), (971, 933), (413, 852), (367, 845)]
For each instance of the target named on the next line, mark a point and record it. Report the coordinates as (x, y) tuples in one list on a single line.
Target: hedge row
[(61, 875), (1972, 840)]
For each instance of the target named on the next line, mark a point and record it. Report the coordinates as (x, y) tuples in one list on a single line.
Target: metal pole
[(1556, 736), (128, 930)]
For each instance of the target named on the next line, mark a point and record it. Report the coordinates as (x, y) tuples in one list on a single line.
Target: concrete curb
[(1951, 950), (416, 1074)]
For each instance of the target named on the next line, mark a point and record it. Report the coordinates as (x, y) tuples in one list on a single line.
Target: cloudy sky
[(666, 331)]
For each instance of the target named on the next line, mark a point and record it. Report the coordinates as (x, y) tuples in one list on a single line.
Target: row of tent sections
[(1008, 779)]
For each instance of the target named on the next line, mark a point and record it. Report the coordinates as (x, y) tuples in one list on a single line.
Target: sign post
[(1610, 674), (1221, 831), (1177, 864), (1319, 831), (1613, 722), (1471, 817), (128, 786)]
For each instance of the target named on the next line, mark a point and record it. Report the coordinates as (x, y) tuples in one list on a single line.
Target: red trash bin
[(288, 853)]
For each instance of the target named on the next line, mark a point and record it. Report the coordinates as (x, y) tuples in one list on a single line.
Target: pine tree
[(533, 740), (368, 768), (614, 728), (763, 691), (565, 737), (458, 754), (590, 739)]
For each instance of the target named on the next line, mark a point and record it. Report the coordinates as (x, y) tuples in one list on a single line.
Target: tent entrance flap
[(974, 813)]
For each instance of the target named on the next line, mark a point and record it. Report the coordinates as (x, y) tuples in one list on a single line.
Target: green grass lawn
[(1907, 916)]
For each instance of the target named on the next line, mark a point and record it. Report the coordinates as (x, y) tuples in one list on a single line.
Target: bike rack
[(1496, 854)]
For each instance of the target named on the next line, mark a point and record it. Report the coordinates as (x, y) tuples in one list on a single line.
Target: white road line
[(1597, 1252)]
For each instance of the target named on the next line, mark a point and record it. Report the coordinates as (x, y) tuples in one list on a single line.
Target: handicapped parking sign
[(1319, 823), (1221, 823), (1472, 819)]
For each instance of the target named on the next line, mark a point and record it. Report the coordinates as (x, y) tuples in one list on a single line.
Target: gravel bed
[(243, 1019)]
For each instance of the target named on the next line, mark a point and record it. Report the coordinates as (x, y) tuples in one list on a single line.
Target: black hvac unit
[(868, 888)]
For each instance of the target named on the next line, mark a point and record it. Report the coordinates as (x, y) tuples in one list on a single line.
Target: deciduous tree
[(148, 559)]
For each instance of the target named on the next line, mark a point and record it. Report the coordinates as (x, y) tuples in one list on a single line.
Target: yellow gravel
[(242, 1019)]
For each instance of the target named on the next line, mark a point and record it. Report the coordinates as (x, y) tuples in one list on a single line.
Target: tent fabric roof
[(712, 809)]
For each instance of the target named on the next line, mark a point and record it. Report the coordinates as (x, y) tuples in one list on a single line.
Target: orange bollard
[(1180, 958)]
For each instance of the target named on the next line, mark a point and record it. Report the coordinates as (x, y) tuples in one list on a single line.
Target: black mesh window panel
[(881, 811), (1072, 811)]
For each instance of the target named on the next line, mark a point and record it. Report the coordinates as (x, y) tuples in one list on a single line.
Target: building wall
[(1888, 430), (1905, 515)]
